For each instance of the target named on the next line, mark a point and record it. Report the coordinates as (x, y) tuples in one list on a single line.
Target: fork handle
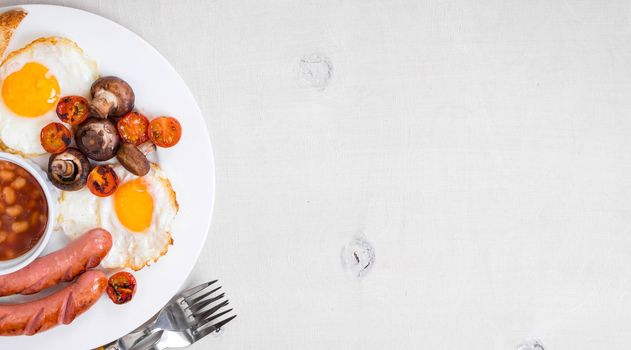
[(129, 340)]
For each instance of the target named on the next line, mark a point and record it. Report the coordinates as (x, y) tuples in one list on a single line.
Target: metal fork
[(186, 312)]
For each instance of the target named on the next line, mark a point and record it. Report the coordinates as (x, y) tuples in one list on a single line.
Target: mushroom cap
[(75, 174), (133, 159), (119, 89), (98, 139)]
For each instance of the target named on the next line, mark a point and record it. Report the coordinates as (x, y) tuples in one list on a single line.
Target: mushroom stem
[(102, 103), (62, 168), (147, 148)]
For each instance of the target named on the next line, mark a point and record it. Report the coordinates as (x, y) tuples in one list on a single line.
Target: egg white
[(80, 211), (75, 72)]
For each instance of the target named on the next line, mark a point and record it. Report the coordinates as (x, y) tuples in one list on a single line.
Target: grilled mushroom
[(98, 139), (68, 170), (134, 159), (111, 96)]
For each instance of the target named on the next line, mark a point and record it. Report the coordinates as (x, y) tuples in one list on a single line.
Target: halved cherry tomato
[(102, 181), (55, 138), (121, 287), (72, 109), (165, 131), (132, 127)]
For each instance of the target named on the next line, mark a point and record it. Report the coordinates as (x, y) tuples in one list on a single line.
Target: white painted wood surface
[(483, 149)]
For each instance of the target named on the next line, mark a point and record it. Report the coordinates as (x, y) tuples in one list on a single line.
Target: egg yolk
[(134, 205), (30, 91)]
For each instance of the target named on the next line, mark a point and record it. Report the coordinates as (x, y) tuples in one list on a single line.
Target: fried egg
[(138, 215), (32, 80)]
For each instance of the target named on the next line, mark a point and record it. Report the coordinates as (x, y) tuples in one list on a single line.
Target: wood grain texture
[(482, 148)]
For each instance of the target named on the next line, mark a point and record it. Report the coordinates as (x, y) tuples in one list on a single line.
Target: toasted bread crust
[(9, 21)]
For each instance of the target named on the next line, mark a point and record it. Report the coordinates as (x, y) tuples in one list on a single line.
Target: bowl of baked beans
[(26, 212)]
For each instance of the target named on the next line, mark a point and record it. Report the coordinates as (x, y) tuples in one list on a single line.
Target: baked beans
[(23, 211)]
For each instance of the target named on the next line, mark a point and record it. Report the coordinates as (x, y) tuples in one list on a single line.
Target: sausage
[(65, 264), (62, 306)]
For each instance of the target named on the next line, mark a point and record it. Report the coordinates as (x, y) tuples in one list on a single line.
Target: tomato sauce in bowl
[(23, 211)]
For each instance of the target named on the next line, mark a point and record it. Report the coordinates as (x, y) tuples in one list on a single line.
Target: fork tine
[(197, 299), (200, 333), (211, 311), (194, 290), (195, 308), (212, 318), (220, 324)]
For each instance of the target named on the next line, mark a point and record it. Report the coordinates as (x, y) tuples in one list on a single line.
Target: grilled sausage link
[(60, 307), (65, 264)]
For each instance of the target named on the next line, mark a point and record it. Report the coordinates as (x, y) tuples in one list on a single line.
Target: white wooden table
[(482, 149)]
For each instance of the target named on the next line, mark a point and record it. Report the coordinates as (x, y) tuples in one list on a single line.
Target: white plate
[(159, 91)]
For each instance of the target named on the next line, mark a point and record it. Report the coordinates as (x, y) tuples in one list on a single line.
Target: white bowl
[(8, 266)]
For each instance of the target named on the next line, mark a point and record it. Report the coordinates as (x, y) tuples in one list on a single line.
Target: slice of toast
[(8, 22)]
